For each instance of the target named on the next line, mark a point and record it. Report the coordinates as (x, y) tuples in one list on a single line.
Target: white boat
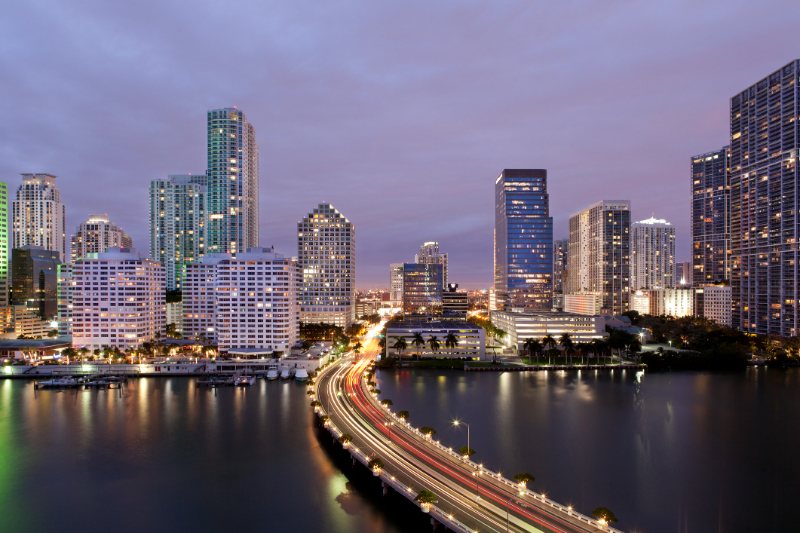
[(285, 374), (301, 374), (244, 379), (57, 382), (272, 373)]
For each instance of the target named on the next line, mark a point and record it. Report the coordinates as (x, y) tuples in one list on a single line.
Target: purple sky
[(400, 114)]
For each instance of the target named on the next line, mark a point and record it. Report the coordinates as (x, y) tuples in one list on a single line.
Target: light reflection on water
[(665, 452)]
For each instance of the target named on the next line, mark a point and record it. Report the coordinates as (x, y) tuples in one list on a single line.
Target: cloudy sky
[(400, 114)]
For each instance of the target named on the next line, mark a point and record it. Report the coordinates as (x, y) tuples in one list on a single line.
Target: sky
[(399, 114)]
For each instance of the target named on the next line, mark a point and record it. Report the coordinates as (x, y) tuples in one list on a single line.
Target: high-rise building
[(200, 297), (714, 303), (257, 308), (65, 286), (429, 253), (455, 303), (653, 252), (560, 258), (764, 203), (39, 218), (4, 254), (600, 253), (396, 284), (232, 182), (684, 274), (35, 274), (422, 288), (523, 240), (95, 235), (178, 222), (711, 220), (118, 299), (326, 252)]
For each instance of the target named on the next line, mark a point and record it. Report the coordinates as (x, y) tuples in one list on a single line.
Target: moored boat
[(285, 374), (245, 380), (301, 374)]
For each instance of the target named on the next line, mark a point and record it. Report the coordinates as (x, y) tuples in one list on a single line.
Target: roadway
[(478, 498)]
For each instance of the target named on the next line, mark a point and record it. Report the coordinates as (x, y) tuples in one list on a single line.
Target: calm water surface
[(666, 452)]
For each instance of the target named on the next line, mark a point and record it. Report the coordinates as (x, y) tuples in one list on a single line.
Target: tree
[(419, 342), (566, 343), (601, 513), (531, 346), (549, 344), (403, 415), (316, 403), (523, 478), (387, 402), (451, 341), (52, 334), (375, 464), (346, 439), (465, 451), (434, 342), (425, 497), (428, 432), (357, 348), (400, 345)]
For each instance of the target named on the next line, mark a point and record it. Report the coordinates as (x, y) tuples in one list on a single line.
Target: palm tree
[(451, 341), (566, 343), (549, 344), (419, 342), (357, 348), (400, 345), (528, 346), (434, 342)]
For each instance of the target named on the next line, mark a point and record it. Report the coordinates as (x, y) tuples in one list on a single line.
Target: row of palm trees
[(549, 346), (401, 345)]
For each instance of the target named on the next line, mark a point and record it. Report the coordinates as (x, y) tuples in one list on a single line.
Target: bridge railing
[(536, 496)]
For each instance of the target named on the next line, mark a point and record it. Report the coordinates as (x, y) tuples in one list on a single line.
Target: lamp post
[(477, 490), (388, 423), (456, 423), (508, 503)]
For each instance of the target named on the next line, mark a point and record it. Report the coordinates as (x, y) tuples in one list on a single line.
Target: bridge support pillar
[(354, 460), (385, 488)]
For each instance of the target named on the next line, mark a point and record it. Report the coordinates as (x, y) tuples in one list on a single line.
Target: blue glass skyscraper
[(523, 240)]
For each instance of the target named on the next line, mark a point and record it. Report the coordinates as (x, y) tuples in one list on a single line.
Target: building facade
[(257, 294), (429, 253), (714, 303), (200, 298), (599, 259), (470, 339), (764, 204), (583, 303), (326, 252), (35, 275), (118, 300), (665, 302), (4, 255), (232, 182), (455, 303), (684, 274), (711, 217), (178, 221), (532, 324), (653, 253), (65, 286), (396, 284), (523, 240), (95, 235), (560, 258), (422, 289), (39, 215)]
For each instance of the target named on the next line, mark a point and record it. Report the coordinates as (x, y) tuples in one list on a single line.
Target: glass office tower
[(422, 288), (523, 240), (711, 220)]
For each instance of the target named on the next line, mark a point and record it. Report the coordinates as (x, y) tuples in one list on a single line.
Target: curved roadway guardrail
[(434, 511)]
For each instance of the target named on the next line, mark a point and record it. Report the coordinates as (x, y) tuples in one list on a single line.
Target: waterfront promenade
[(469, 497)]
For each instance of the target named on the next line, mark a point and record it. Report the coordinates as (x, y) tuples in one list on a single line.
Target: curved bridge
[(470, 498)]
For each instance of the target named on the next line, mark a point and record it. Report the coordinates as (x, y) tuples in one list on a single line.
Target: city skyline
[(427, 123)]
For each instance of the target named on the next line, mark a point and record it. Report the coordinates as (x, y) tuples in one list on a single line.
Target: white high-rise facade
[(39, 215), (396, 284), (257, 302), (326, 251), (199, 289), (95, 236), (5, 256), (429, 253), (232, 182), (118, 299), (178, 222), (653, 253)]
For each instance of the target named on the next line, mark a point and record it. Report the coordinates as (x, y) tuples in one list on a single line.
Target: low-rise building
[(27, 322), (537, 324), (583, 303), (714, 303), (455, 303), (366, 307), (471, 339)]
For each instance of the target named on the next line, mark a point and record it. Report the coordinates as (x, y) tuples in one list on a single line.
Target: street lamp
[(477, 490), (456, 423), (388, 423), (508, 503)]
